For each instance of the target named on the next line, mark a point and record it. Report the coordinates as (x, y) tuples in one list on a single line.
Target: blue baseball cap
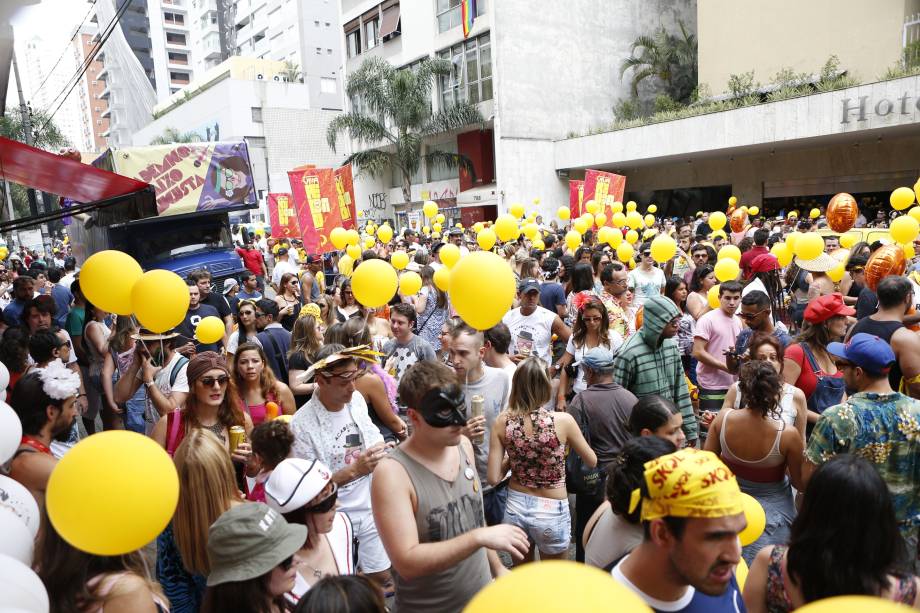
[(867, 351)]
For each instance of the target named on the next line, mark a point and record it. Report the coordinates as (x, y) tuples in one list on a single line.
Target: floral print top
[(885, 430), (538, 459)]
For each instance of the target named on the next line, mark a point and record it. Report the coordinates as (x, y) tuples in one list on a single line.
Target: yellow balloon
[(586, 589), (482, 309), (600, 219), (836, 273), (603, 234), (430, 208), (531, 230), (729, 251), (792, 238), (663, 248), (458, 225), (517, 209), (916, 193), (106, 280), (573, 239), (652, 208), (630, 206), (449, 253), (440, 218), (532, 215), (436, 227), (506, 228), (632, 237), (374, 283), (783, 253), (346, 265), (717, 220), (210, 330), (732, 201), (625, 252), (851, 604), (477, 227), (727, 269), (353, 251), (112, 493), (592, 207), (848, 240), (409, 283), (426, 230), (649, 220), (903, 229), (441, 278), (580, 226), (399, 259), (909, 251), (563, 213), (632, 264), (814, 213), (753, 211), (914, 212), (160, 300), (809, 245), (615, 238), (486, 239), (369, 242), (717, 233), (634, 220), (370, 228), (337, 236), (712, 297), (352, 237), (756, 520), (536, 201), (618, 219), (538, 244), (384, 233), (901, 198), (617, 207)]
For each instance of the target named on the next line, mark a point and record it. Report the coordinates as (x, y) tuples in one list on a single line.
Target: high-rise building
[(171, 45), (46, 81), (94, 119)]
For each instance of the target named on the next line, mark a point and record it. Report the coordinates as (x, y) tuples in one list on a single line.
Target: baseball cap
[(598, 359), (455, 232), (821, 309), (314, 259), (867, 351), (282, 250), (765, 262), (229, 284), (250, 540), (294, 483), (528, 285)]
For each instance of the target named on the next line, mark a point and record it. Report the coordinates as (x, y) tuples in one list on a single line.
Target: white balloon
[(17, 540), (15, 497), (4, 380), (10, 432), (21, 588)]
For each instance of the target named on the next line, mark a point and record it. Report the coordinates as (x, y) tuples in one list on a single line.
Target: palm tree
[(172, 135), (292, 72), (670, 58), (396, 117)]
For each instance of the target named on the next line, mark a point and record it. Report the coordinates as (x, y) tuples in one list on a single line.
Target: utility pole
[(27, 128)]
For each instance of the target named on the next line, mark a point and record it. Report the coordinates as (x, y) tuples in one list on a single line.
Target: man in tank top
[(427, 502)]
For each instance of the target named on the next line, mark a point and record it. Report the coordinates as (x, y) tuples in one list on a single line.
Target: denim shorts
[(546, 521)]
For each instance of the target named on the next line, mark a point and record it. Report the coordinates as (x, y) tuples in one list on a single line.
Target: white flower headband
[(58, 381)]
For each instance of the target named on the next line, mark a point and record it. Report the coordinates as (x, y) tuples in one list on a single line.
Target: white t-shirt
[(161, 380), (616, 341), (347, 446), (645, 284), (282, 267), (234, 341), (531, 334)]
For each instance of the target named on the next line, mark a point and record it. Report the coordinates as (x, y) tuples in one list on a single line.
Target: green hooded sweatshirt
[(649, 364)]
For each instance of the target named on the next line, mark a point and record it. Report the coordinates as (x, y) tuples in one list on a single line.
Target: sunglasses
[(345, 377), (592, 319), (444, 407), (750, 316), (326, 504), (210, 381), (286, 563)]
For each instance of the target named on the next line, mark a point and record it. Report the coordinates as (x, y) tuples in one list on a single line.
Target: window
[(327, 24), (319, 51), (471, 74), (371, 27), (328, 51), (449, 13), (353, 43), (256, 114), (177, 58), (327, 85), (437, 172), (316, 24), (178, 77), (176, 39)]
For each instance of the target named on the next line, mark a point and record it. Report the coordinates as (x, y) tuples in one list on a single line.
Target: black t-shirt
[(218, 302), (298, 361), (188, 325), (866, 304)]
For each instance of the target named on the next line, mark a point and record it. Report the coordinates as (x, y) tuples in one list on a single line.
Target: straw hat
[(822, 263)]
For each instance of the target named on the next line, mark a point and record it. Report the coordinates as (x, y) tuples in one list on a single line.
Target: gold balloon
[(887, 260), (842, 212)]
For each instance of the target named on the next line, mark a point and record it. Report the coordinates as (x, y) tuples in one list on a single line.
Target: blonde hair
[(530, 387), (207, 488)]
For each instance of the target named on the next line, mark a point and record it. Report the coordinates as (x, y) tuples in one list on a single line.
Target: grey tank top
[(445, 510)]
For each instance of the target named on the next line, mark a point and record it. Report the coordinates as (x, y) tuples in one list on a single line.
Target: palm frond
[(454, 117), (359, 127), (369, 81), (374, 162), (445, 159)]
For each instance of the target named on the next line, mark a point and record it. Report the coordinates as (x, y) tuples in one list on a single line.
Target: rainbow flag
[(467, 15)]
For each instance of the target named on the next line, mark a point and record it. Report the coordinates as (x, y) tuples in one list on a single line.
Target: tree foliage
[(669, 58), (393, 117), (172, 135)]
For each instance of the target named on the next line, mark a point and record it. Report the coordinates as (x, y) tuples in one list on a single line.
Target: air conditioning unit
[(260, 77), (278, 78)]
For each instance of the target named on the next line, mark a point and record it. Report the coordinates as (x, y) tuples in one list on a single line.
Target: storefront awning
[(486, 194)]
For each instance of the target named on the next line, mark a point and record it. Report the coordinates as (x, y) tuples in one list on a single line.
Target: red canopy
[(57, 174)]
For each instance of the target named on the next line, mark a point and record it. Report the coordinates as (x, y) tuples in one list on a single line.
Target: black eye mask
[(444, 407)]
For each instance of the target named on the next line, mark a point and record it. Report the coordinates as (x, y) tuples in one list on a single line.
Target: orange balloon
[(842, 212), (888, 260), (640, 316), (738, 219)]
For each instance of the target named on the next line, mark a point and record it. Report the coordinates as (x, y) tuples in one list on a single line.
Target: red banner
[(319, 207), (576, 197), (345, 192), (283, 216), (604, 188)]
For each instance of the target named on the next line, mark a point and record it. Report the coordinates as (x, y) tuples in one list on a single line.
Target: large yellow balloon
[(617, 207), (632, 237), (352, 237), (809, 245), (482, 309), (630, 206), (449, 253), (374, 283), (732, 201), (603, 234), (160, 300), (909, 251), (792, 238), (368, 242), (112, 493), (649, 220), (852, 604), (814, 213), (440, 218), (618, 219), (399, 259), (663, 248), (563, 213), (652, 208), (106, 280), (517, 209), (717, 220), (615, 238), (914, 212), (730, 251), (625, 252), (539, 244), (902, 198), (634, 220), (436, 227), (441, 278), (527, 588), (573, 239), (346, 265), (903, 229), (592, 207), (756, 520), (727, 269), (506, 228), (531, 230), (210, 330), (430, 208), (353, 251), (337, 236), (600, 219), (847, 240), (409, 283), (486, 239), (783, 253), (836, 274), (385, 233), (712, 297), (753, 211)]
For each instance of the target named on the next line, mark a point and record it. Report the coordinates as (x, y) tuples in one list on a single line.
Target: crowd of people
[(337, 457)]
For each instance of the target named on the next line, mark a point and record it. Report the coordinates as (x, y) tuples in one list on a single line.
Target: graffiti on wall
[(377, 201)]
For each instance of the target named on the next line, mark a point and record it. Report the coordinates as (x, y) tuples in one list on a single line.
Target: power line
[(66, 47)]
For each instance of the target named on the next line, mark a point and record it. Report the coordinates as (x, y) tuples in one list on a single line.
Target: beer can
[(237, 436), (477, 404)]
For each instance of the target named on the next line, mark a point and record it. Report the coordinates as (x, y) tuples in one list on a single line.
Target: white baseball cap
[(294, 483)]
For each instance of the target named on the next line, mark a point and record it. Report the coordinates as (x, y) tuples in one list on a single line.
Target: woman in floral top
[(536, 439)]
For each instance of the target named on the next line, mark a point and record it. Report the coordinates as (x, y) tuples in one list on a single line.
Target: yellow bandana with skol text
[(688, 483)]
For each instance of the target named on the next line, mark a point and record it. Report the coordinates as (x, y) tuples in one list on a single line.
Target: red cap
[(821, 309), (765, 262)]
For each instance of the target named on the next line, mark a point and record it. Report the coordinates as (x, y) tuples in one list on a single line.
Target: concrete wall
[(736, 36), (287, 148), (317, 66)]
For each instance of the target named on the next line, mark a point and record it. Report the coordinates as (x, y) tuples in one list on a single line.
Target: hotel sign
[(860, 108)]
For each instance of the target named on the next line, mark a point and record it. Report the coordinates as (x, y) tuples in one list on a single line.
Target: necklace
[(316, 572), (217, 429)]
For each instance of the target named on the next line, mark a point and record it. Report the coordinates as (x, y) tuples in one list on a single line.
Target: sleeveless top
[(904, 590), (446, 509), (769, 469), (786, 406), (537, 460), (342, 543), (287, 322), (107, 582), (95, 358), (257, 412)]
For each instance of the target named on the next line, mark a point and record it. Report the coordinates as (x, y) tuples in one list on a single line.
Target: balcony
[(103, 71), (105, 93), (107, 112)]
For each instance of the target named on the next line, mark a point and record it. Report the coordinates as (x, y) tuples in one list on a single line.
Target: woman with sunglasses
[(646, 279), (253, 553), (246, 331), (703, 279), (306, 341), (303, 491), (256, 385), (288, 300), (347, 306)]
